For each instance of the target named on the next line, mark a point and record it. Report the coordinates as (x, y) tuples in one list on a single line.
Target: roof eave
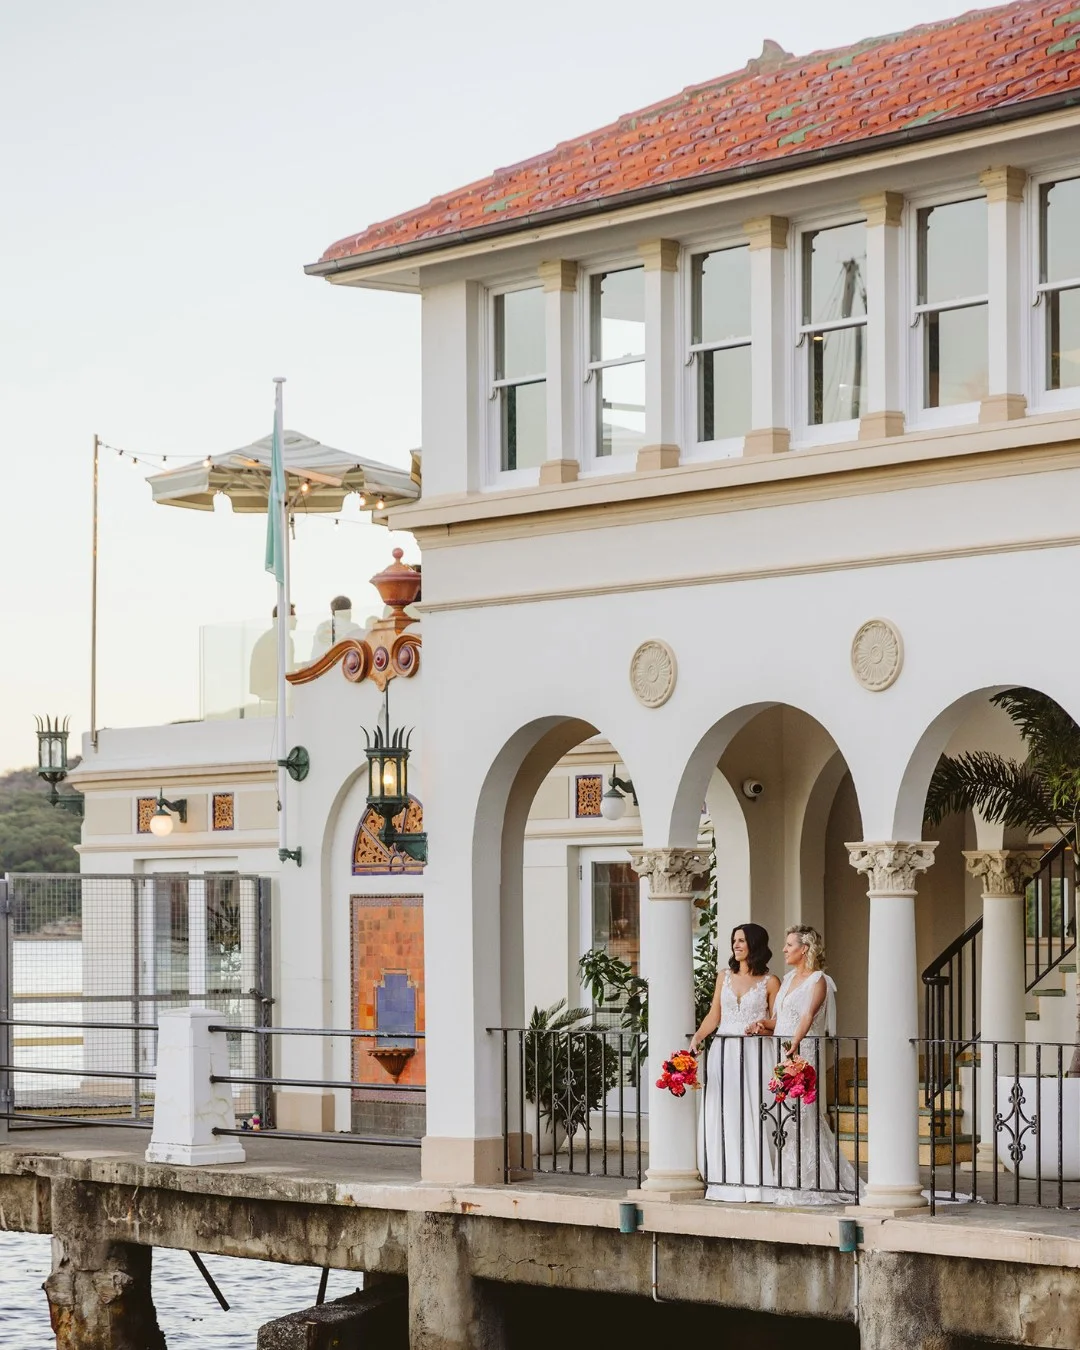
[(333, 268)]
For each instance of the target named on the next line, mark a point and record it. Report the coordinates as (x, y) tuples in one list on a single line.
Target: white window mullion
[(1004, 222), (562, 461), (883, 414), (769, 433)]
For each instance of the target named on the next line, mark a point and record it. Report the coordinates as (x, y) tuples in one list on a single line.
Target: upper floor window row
[(721, 316)]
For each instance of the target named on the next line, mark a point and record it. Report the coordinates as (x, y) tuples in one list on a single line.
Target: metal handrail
[(1060, 930)]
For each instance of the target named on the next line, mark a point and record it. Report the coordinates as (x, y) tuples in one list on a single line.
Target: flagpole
[(93, 601), (282, 635)]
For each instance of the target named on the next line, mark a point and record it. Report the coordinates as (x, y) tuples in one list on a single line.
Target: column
[(769, 353), (892, 1022), (883, 415), (449, 1309), (1004, 219), (661, 449), (675, 876), (559, 280), (1004, 874)]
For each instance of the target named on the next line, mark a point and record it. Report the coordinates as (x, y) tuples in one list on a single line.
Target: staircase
[(849, 1119)]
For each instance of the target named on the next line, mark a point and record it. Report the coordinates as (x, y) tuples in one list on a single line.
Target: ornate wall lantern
[(388, 785), (52, 734)]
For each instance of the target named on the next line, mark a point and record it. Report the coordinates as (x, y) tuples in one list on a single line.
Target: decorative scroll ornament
[(1003, 871), (891, 868), (653, 673), (673, 873), (877, 655)]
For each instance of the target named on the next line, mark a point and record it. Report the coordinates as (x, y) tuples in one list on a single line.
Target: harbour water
[(188, 1313)]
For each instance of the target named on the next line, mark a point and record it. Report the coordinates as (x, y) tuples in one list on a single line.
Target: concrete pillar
[(448, 1308), (675, 876), (560, 279), (1005, 287), (883, 415), (899, 1307), (661, 449), (188, 1106), (892, 1021), (99, 1290), (1005, 874), (769, 355)]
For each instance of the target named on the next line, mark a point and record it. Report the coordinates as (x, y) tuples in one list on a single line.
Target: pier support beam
[(99, 1290), (899, 1307), (448, 1308)]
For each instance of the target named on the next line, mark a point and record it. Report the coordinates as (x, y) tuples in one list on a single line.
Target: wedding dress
[(809, 1167), (735, 1153)]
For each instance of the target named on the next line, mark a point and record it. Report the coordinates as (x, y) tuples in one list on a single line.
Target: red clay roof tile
[(981, 60)]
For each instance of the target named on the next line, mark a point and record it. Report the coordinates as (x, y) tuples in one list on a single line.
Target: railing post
[(7, 1004), (193, 1096)]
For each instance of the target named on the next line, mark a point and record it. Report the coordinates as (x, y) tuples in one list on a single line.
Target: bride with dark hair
[(735, 1153)]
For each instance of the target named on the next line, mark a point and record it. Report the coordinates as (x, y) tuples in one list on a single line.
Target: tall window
[(520, 380), (720, 342), (834, 322), (617, 359), (616, 929), (1059, 280), (952, 302)]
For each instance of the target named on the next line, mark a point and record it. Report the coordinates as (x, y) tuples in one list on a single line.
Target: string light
[(305, 488)]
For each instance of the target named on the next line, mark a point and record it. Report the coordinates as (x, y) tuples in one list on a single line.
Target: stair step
[(1032, 1016), (1067, 967), (1048, 993), (942, 1149)]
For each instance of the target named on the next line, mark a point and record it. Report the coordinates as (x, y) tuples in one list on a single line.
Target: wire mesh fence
[(87, 963)]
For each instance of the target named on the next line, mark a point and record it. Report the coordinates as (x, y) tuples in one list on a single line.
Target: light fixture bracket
[(297, 764), (291, 855)]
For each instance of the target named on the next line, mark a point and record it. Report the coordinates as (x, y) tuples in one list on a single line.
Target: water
[(188, 1313)]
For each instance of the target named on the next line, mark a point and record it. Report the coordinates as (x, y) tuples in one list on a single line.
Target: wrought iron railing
[(1014, 1124), (573, 1102), (1050, 913), (951, 1007)]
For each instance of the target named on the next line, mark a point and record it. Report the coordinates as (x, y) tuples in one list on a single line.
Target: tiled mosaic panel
[(145, 808), (387, 939), (590, 788), (222, 814)]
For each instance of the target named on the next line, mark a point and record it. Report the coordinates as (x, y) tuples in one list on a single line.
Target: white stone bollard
[(187, 1105)]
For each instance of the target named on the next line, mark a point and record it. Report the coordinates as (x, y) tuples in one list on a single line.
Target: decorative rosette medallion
[(653, 673), (877, 655)]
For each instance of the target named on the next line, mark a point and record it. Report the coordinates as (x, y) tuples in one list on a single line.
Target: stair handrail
[(1060, 929), (951, 1004)]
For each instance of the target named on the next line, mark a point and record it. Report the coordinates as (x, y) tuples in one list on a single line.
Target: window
[(833, 324), (952, 302), (720, 342), (616, 928), (1059, 280), (617, 359), (520, 382)]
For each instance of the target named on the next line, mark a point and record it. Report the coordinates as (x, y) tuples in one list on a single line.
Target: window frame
[(731, 447), (494, 476), (805, 433), (917, 416), (592, 463), (1041, 398)]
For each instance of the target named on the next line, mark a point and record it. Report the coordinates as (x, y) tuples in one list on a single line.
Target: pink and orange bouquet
[(680, 1073), (796, 1078)]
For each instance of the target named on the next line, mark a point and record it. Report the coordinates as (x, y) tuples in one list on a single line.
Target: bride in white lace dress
[(736, 1154), (809, 1167)]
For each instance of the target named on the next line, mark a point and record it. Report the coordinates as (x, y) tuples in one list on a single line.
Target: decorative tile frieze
[(222, 811), (144, 810), (589, 788)]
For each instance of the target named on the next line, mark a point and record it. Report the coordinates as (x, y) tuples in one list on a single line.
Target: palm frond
[(1051, 735), (1001, 790)]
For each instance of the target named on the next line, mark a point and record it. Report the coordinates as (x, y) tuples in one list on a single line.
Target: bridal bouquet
[(796, 1078), (680, 1073)]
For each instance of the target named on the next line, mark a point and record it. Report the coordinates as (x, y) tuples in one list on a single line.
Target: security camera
[(752, 788)]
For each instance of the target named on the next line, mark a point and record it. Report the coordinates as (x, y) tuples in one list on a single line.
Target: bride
[(737, 1153), (809, 1166)]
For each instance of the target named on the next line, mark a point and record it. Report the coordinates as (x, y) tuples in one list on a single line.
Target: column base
[(1003, 408), (461, 1162), (669, 1186), (308, 1112), (767, 441), (887, 1201), (651, 457), (559, 471), (197, 1155)]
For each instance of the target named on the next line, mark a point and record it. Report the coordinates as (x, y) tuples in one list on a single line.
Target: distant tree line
[(34, 836)]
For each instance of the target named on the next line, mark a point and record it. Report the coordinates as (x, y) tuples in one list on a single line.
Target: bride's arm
[(817, 998), (711, 1020), (766, 1024)]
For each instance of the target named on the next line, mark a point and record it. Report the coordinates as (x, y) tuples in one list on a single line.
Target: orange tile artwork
[(387, 939)]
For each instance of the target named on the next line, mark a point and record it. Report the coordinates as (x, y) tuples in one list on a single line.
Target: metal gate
[(87, 963)]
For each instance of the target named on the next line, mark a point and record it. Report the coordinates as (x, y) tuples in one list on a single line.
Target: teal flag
[(275, 539)]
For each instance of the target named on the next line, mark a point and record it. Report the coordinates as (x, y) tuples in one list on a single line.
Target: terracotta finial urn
[(398, 584)]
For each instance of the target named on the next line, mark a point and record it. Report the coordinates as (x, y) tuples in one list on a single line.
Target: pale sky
[(167, 171)]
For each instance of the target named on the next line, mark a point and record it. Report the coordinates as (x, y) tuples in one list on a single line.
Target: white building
[(750, 434)]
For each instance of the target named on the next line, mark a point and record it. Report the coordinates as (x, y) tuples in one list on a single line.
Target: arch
[(812, 840)]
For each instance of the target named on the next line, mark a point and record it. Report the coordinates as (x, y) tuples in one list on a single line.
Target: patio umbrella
[(317, 479)]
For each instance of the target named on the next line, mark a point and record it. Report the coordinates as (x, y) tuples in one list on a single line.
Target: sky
[(167, 171)]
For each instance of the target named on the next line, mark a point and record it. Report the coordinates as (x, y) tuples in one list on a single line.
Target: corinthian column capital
[(673, 873), (1003, 871), (891, 866)]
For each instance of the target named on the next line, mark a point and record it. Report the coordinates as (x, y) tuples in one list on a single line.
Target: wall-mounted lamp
[(161, 822), (388, 786), (613, 802), (52, 734)]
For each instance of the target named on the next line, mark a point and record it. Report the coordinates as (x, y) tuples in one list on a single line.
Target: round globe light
[(161, 823), (613, 805)]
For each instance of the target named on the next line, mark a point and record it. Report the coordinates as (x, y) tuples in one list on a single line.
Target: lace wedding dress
[(809, 1168), (735, 1153)]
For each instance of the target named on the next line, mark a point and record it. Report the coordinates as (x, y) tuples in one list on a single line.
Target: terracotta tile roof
[(776, 107)]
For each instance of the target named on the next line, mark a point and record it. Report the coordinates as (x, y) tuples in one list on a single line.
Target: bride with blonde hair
[(810, 1169)]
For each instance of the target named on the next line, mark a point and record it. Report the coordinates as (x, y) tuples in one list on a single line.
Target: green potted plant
[(569, 1070)]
